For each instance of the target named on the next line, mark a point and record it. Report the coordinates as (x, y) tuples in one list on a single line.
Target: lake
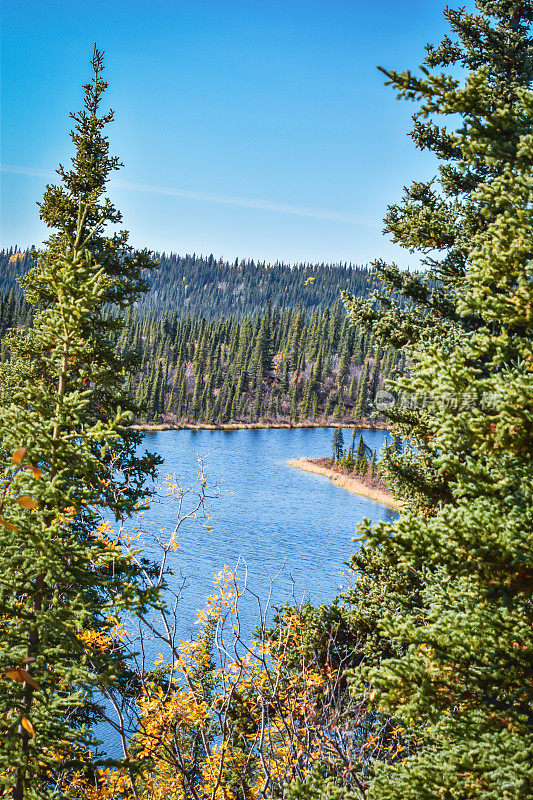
[(271, 518)]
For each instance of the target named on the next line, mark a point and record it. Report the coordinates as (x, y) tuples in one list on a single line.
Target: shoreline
[(237, 426), (346, 482)]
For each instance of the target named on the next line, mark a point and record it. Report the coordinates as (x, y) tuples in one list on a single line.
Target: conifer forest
[(414, 681), (270, 365)]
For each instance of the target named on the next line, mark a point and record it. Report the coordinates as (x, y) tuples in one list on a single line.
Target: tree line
[(215, 288), (15, 312), (358, 458), (281, 366)]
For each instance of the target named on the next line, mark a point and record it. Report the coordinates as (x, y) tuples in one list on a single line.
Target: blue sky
[(257, 129)]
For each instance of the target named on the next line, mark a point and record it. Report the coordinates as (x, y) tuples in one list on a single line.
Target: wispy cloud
[(34, 173), (221, 199)]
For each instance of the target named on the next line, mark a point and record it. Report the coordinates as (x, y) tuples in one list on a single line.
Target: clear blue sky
[(256, 129)]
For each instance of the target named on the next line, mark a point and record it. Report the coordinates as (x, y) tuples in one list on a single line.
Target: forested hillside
[(14, 312), (13, 264), (212, 348), (213, 287), (277, 366)]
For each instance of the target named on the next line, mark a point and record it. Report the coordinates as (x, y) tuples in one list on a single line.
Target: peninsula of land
[(353, 483)]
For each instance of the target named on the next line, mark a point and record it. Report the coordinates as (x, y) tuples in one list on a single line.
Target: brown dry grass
[(235, 426), (347, 482)]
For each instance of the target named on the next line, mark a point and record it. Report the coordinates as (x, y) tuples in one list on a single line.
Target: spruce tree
[(461, 688), (262, 355), (374, 466), (337, 444), (284, 385), (361, 455), (329, 405), (438, 218), (293, 411), (362, 393), (344, 365), (66, 454)]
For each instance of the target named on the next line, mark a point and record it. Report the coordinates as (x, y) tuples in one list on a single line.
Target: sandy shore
[(351, 484), (236, 426)]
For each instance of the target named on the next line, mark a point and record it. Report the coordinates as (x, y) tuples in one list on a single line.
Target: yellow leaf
[(26, 501), (21, 676), (18, 455), (26, 724), (15, 675), (35, 470), (8, 525)]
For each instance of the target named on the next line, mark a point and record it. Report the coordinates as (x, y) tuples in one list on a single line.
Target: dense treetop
[(278, 366), (214, 287)]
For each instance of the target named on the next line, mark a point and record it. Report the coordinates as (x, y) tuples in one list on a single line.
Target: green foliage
[(262, 367), (348, 461), (66, 453), (217, 288), (439, 218), (318, 788), (421, 669), (464, 680), (460, 683), (337, 444)]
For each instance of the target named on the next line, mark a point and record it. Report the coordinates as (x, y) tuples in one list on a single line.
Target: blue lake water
[(271, 520), (270, 517)]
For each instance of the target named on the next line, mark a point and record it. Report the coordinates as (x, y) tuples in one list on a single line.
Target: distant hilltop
[(215, 287)]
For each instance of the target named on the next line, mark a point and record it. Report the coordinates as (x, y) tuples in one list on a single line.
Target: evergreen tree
[(329, 405), (262, 356), (339, 410), (258, 401), (293, 413), (226, 352), (461, 687), (337, 444), (66, 453), (374, 466), (309, 393), (294, 341), (362, 393), (196, 398), (284, 386), (361, 454), (317, 369), (438, 218), (344, 365), (334, 325)]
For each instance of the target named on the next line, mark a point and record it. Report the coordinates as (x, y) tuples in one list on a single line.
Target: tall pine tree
[(66, 454), (461, 688)]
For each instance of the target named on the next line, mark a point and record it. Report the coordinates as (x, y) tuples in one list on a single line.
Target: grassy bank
[(352, 484), (235, 426)]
